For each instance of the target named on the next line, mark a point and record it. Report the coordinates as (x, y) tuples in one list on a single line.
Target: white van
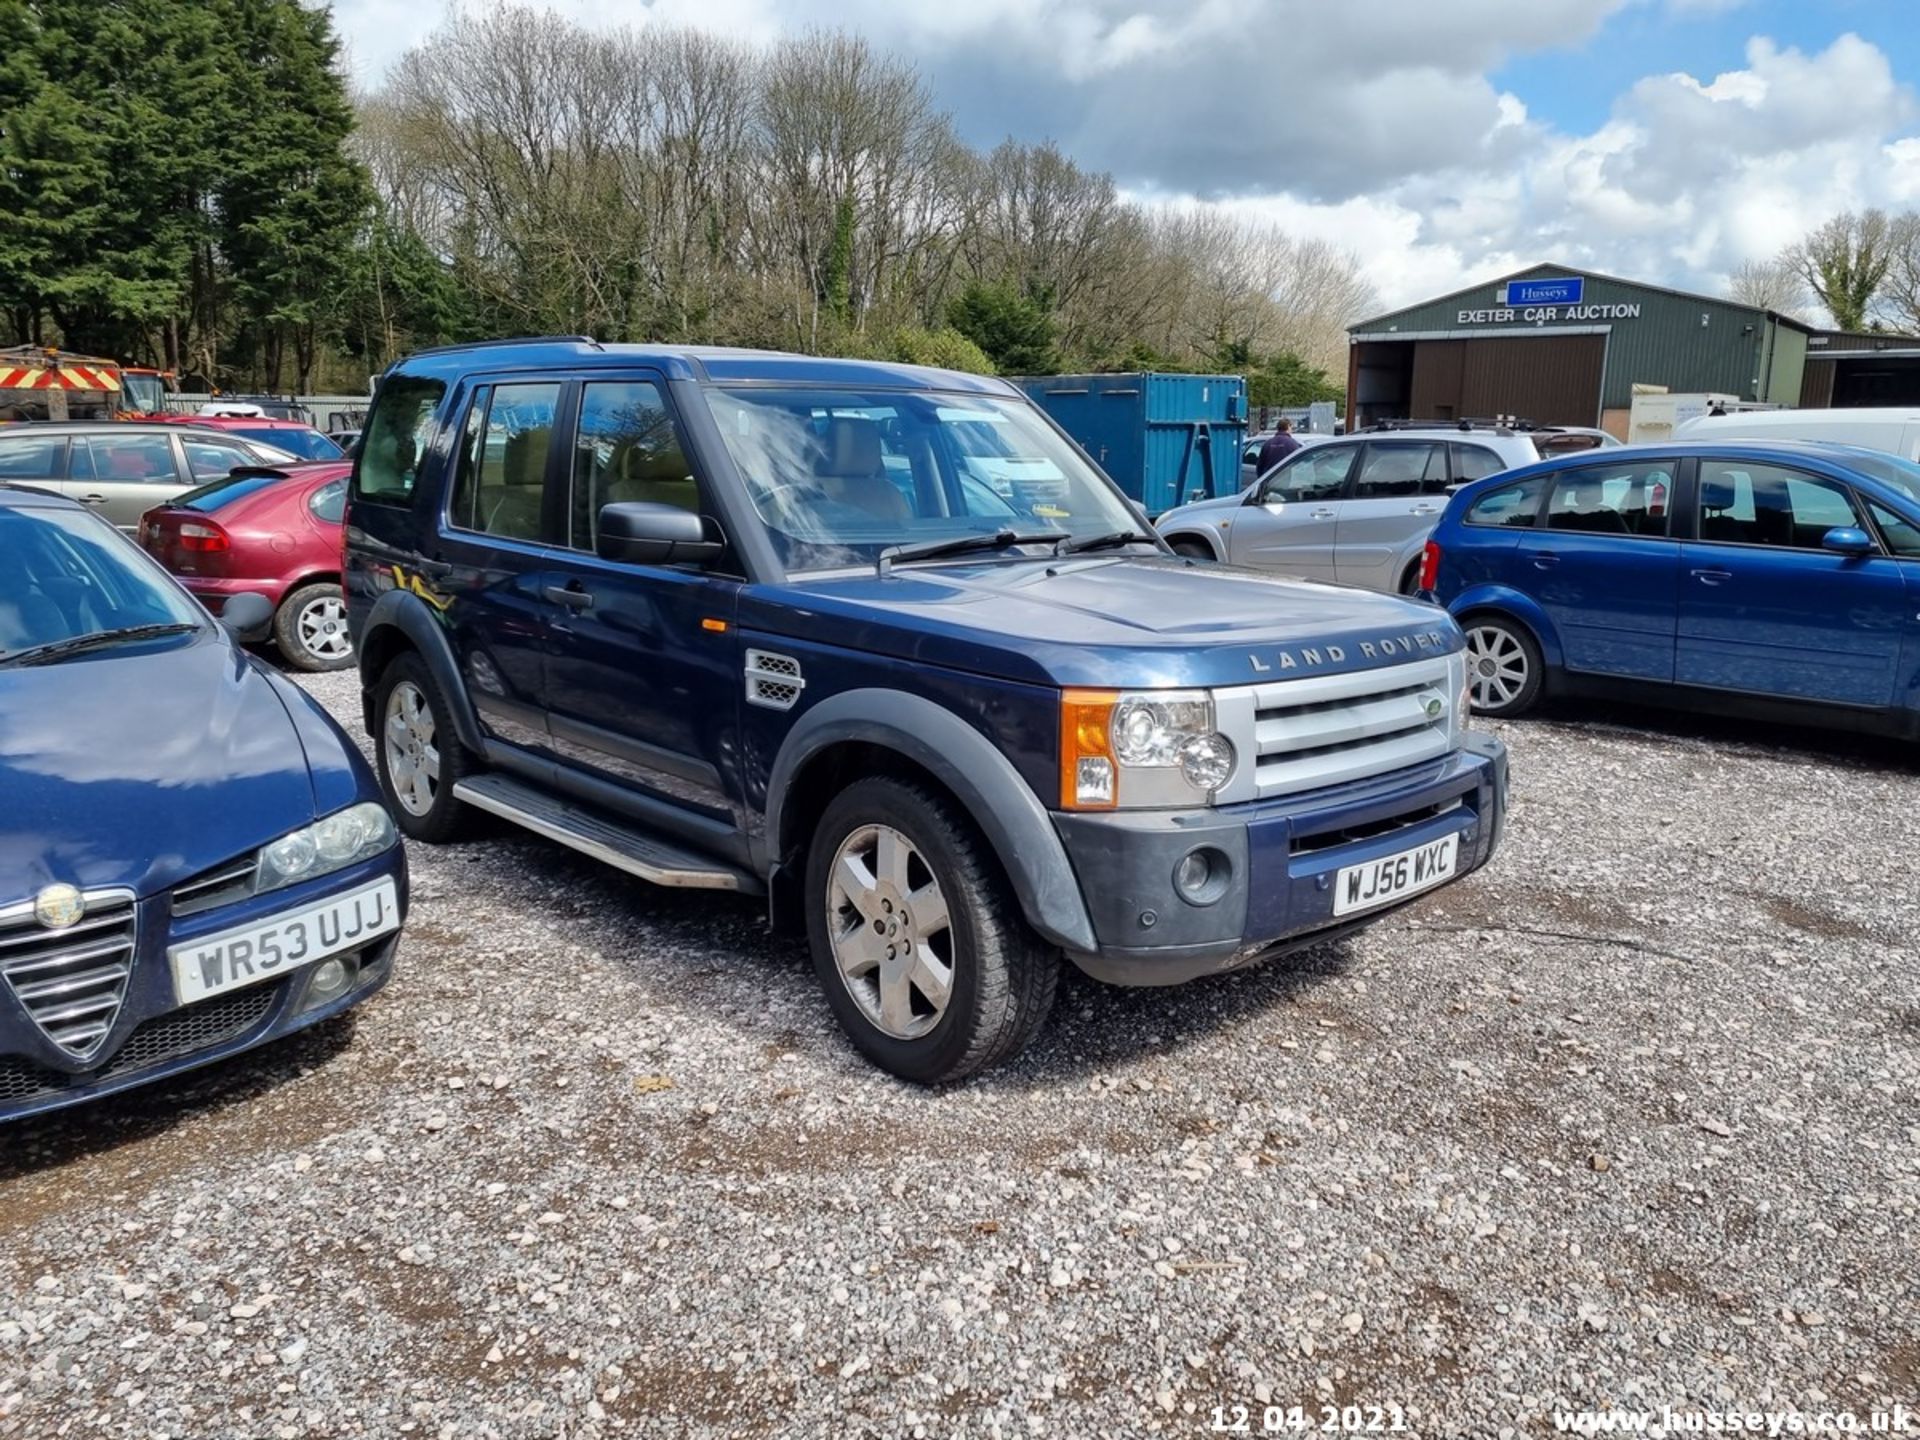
[(1894, 429)]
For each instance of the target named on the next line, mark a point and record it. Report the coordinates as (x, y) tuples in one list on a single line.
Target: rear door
[(1765, 609), (1293, 517), (122, 476), (27, 458), (1397, 495), (1605, 570)]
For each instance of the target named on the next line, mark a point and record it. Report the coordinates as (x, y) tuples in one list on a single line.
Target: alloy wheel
[(893, 938), (322, 628), (413, 758), (1496, 667)]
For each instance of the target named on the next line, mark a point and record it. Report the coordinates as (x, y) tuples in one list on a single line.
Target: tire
[(419, 761), (1504, 669), (310, 627), (1000, 976), (1192, 549), (1410, 581)]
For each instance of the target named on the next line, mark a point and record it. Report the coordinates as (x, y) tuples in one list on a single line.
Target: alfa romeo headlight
[(1140, 748), (340, 840)]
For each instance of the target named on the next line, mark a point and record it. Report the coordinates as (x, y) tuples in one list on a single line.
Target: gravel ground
[(1627, 1119)]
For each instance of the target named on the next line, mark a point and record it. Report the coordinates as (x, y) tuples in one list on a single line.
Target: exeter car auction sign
[(1558, 299)]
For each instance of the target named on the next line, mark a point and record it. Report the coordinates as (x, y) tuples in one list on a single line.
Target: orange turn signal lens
[(1089, 778)]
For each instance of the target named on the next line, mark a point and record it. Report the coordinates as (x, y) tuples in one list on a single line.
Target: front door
[(492, 551), (643, 672), (1289, 523), (1765, 609), (1605, 571), (1398, 494)]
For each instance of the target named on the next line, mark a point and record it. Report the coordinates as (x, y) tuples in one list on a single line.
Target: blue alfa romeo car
[(194, 859), (1774, 578)]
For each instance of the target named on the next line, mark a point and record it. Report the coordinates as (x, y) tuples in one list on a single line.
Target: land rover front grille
[(1333, 729), (71, 981)]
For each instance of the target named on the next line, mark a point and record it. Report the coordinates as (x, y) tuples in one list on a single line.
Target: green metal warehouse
[(1560, 346)]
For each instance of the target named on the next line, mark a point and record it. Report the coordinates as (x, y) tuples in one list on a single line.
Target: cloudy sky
[(1443, 141)]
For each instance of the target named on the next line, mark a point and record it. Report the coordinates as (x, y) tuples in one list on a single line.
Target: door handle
[(1544, 559), (93, 499), (1424, 510), (1322, 514), (571, 596), (1712, 577)]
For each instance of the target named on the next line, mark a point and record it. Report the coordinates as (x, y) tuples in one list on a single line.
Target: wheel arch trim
[(409, 615)]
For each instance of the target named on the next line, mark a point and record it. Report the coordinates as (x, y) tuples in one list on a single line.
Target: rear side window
[(1394, 468), (1510, 505), (396, 441), (31, 457), (1316, 474), (501, 488), (1611, 500), (329, 502), (1476, 462)]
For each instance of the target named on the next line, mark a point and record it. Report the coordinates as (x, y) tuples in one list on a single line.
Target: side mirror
[(642, 532), (1848, 540), (247, 617)]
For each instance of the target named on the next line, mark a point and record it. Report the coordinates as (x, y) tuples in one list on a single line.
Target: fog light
[(1202, 876), (330, 981), (1207, 761)]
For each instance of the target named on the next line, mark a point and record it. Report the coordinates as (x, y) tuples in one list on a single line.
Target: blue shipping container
[(1165, 439)]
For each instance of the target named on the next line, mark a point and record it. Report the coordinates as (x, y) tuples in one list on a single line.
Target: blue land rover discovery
[(881, 644)]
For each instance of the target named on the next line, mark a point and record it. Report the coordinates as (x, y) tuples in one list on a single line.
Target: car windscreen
[(66, 574), (839, 476), (307, 444), (227, 491), (1902, 475)]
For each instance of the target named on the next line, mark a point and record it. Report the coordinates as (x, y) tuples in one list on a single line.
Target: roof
[(1590, 275), (102, 427), (700, 363), (30, 497), (224, 422), (1819, 451)]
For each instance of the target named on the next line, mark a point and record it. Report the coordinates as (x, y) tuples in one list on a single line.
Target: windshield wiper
[(126, 634), (962, 544), (1112, 540)]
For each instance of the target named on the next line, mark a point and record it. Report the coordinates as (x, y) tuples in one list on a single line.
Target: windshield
[(1902, 475), (144, 393), (839, 476), (307, 444), (65, 574)]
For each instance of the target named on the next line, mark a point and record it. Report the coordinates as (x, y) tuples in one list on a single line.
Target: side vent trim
[(773, 680)]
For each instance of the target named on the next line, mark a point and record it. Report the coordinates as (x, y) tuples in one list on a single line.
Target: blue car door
[(1605, 570), (1765, 609)]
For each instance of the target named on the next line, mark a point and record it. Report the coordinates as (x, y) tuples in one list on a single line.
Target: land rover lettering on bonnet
[(880, 647)]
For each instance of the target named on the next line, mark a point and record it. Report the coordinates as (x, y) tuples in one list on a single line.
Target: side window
[(31, 457), (329, 503), (1604, 500), (396, 440), (1743, 503), (501, 488), (1475, 462), (1393, 468), (626, 450), (134, 459), (1902, 536), (212, 460), (1319, 473), (1510, 505)]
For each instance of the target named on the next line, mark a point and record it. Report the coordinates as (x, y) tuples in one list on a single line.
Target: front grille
[(71, 981), (211, 889), (165, 1037), (1333, 729)]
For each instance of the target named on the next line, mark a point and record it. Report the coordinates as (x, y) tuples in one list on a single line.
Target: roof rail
[(1501, 426), (510, 340)]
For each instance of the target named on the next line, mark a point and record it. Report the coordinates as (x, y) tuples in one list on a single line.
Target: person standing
[(1279, 445)]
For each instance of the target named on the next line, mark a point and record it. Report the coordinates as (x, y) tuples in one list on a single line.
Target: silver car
[(123, 468), (1356, 509)]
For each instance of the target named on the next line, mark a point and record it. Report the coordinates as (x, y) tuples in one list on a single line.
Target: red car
[(272, 532), (289, 435)]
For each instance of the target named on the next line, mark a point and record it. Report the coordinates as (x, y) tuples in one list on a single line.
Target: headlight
[(1146, 748), (326, 845)]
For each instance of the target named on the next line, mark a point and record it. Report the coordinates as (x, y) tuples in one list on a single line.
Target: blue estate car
[(1775, 578), (880, 644), (194, 858)]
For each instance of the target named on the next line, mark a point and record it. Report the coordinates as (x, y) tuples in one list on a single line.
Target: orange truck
[(38, 383)]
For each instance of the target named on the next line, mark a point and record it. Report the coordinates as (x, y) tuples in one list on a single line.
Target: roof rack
[(1500, 424), (512, 340)]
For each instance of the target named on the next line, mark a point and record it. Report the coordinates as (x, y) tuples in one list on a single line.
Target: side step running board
[(633, 851)]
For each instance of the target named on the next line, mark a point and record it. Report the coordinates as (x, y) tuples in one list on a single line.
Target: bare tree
[(1900, 296), (1845, 262), (1775, 284)]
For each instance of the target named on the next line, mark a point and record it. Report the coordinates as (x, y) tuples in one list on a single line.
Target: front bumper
[(1282, 856), (155, 1037)]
